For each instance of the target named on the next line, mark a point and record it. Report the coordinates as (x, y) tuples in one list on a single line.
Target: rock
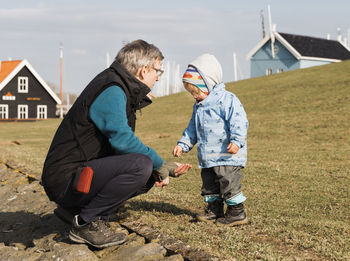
[(174, 258), (71, 252), (171, 244), (12, 253), (151, 251), (133, 240), (18, 246), (116, 227)]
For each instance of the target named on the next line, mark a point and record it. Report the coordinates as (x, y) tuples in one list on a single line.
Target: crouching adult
[(95, 162)]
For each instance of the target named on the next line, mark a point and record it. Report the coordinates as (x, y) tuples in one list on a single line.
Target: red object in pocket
[(82, 180)]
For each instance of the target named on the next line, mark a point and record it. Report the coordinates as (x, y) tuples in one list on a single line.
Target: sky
[(182, 30)]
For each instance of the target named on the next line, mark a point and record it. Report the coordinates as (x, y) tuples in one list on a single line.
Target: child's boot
[(234, 216), (213, 211)]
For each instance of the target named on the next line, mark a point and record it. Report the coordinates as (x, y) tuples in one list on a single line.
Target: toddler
[(219, 127)]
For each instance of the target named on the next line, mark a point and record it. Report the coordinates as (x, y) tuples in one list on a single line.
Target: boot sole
[(233, 224), (78, 239)]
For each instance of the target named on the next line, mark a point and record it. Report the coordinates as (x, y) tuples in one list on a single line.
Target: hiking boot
[(213, 211), (234, 216), (65, 214), (96, 233)]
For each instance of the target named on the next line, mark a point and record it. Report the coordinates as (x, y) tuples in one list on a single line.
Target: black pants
[(115, 180)]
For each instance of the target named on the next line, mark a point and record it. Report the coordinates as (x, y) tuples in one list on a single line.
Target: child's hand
[(177, 152), (232, 148)]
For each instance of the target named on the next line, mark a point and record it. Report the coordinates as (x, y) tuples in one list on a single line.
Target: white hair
[(137, 54)]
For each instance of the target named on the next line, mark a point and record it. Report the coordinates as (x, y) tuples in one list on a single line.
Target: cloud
[(199, 27), (89, 32)]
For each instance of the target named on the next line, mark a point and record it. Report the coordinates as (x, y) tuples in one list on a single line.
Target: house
[(24, 94), (280, 52)]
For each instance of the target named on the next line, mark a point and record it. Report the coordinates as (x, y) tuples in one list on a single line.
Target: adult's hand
[(162, 183), (181, 169), (173, 169)]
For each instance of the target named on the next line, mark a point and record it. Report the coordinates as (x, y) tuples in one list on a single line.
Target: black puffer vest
[(65, 153)]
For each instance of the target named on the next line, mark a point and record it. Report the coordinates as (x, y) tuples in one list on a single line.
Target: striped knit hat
[(192, 76)]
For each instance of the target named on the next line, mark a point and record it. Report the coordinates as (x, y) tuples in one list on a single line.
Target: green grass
[(296, 180)]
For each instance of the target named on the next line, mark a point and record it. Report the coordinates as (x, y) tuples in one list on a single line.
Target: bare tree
[(66, 97), (53, 87)]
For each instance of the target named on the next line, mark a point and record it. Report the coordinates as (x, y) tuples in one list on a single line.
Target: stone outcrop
[(30, 231)]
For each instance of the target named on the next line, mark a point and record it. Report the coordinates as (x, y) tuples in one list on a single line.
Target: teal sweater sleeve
[(108, 112)]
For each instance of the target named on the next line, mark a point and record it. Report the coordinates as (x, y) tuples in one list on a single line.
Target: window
[(41, 112), (22, 112), (22, 84), (4, 111), (279, 70), (268, 71)]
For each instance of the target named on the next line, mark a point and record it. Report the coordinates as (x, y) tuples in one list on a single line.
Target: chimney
[(328, 36)]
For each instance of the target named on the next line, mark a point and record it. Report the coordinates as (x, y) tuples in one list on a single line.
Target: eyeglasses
[(158, 71)]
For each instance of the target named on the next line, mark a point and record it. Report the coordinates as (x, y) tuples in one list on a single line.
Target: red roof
[(7, 67)]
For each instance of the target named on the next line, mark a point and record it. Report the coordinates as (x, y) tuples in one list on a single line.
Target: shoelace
[(103, 227)]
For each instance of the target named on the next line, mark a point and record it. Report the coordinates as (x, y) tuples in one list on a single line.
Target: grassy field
[(296, 180)]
